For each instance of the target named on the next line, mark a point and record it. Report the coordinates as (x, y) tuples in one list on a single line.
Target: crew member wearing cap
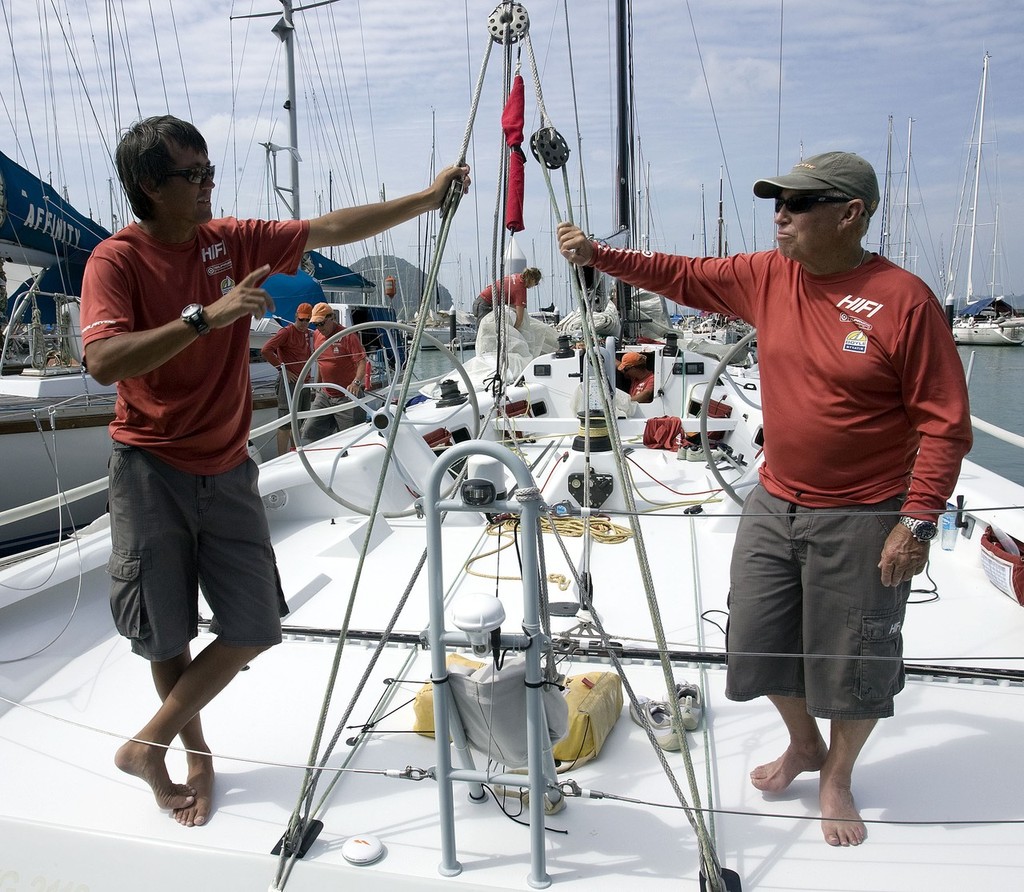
[(866, 422), (343, 364), (641, 379), (289, 349)]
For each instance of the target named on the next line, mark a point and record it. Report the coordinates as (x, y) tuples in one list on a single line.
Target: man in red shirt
[(166, 304), (850, 492), (343, 364), (512, 294), (289, 349), (641, 378)]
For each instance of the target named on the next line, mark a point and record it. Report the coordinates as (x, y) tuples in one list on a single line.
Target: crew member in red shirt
[(866, 421), (342, 364), (641, 378), (166, 305), (288, 349), (512, 294)]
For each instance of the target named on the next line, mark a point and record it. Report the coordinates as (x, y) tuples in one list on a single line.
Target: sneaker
[(655, 715), (691, 709)]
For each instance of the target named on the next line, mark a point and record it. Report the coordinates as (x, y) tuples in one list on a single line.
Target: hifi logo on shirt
[(856, 342)]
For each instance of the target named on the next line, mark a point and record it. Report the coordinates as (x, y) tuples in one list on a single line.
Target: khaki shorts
[(805, 583), (173, 532)]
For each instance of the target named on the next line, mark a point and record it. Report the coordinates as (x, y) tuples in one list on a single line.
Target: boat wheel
[(382, 409)]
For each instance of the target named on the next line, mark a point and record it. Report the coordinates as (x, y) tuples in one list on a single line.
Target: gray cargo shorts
[(172, 532), (805, 583)]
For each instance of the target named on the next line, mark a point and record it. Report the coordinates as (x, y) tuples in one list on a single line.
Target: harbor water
[(996, 388)]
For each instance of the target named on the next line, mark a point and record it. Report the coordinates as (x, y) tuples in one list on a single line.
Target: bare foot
[(146, 762), (774, 777), (840, 820), (200, 779)]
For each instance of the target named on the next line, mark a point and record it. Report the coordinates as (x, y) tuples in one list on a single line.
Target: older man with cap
[(342, 365), (866, 421), (288, 351)]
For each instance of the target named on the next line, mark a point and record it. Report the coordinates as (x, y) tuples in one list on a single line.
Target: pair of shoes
[(655, 714), (691, 709)]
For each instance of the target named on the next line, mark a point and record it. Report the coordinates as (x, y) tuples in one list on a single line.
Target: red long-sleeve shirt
[(863, 392)]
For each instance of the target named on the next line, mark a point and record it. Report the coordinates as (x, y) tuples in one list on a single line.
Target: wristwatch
[(922, 530), (193, 315)]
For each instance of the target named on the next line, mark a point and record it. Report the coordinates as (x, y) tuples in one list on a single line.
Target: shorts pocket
[(879, 672), (126, 604)]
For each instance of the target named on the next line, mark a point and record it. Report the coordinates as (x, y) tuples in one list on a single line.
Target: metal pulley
[(509, 21), (549, 148)]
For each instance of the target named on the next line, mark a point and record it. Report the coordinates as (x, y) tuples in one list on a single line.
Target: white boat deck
[(937, 784)]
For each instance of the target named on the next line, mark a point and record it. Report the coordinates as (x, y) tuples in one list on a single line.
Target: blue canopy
[(37, 226), (290, 291), (332, 274), (307, 285), (991, 304)]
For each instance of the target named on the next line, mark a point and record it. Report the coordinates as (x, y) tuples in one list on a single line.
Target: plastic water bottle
[(948, 531)]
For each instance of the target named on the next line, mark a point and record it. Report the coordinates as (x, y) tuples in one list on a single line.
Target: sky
[(725, 93)]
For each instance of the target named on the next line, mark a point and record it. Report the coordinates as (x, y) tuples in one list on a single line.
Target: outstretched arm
[(353, 224)]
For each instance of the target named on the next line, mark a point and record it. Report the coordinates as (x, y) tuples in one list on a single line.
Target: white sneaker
[(691, 709), (655, 715)]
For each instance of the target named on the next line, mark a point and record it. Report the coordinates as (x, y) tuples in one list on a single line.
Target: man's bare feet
[(200, 779), (146, 762), (840, 820), (774, 777)]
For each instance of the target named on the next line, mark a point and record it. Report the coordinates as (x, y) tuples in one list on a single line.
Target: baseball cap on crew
[(321, 311), (303, 311), (631, 359), (845, 171)]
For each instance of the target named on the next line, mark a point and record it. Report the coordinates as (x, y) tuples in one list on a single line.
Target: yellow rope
[(601, 529)]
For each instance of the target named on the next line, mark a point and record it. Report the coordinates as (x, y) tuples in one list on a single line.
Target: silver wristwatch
[(193, 315), (922, 530)]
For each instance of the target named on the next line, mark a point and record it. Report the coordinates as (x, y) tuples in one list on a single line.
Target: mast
[(624, 141), (905, 241), (285, 32), (977, 181)]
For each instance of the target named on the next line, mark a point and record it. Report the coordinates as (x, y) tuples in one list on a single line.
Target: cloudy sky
[(726, 92)]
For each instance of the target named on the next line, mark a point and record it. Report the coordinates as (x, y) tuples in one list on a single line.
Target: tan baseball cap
[(848, 173)]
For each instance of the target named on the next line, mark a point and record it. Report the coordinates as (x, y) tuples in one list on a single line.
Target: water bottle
[(948, 531)]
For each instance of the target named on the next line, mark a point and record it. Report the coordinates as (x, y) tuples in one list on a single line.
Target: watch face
[(925, 530)]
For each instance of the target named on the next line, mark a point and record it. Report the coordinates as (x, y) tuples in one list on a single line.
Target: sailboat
[(990, 320), (470, 534)]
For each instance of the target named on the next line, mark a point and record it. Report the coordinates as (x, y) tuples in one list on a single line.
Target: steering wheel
[(706, 405), (384, 417)]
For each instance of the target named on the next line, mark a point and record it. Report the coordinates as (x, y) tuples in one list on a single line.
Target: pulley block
[(509, 22), (549, 148)]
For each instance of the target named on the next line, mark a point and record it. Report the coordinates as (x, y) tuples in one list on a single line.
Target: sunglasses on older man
[(195, 175), (801, 204)]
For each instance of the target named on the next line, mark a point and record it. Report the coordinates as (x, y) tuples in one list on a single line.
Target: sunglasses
[(302, 318), (195, 175), (801, 204)]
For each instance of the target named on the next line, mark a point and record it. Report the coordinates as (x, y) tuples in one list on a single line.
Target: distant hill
[(409, 281)]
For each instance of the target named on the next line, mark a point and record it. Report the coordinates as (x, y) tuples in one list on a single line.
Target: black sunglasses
[(801, 204), (195, 175)]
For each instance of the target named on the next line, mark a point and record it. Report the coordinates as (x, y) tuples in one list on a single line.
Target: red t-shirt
[(288, 347), (513, 291), (862, 383), (642, 384), (194, 411), (340, 362)]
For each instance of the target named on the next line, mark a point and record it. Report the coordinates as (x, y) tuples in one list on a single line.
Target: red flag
[(512, 119)]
